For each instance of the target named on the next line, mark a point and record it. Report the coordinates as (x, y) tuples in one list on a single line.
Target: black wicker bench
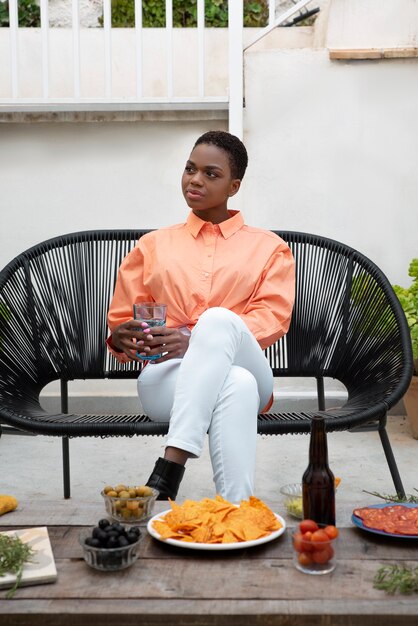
[(347, 324)]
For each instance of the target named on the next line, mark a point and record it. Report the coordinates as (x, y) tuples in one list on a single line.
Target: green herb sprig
[(13, 555), (397, 578), (410, 498)]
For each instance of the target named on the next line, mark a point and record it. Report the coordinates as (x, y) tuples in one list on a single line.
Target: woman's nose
[(196, 178)]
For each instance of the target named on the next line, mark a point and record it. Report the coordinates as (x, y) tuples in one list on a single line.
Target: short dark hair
[(234, 148)]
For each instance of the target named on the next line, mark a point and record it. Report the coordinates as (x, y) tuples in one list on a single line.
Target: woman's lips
[(193, 193)]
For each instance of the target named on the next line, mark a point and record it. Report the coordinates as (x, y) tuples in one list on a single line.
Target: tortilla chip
[(217, 521)]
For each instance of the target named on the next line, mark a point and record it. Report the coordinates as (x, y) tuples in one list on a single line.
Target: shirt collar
[(227, 228)]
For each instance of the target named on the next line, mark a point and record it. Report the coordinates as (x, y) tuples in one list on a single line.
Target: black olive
[(123, 542), (100, 534), (119, 528), (112, 542), (132, 537), (91, 541), (103, 524), (135, 530), (112, 533)]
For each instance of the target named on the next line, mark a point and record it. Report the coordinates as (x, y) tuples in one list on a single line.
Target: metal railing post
[(236, 67)]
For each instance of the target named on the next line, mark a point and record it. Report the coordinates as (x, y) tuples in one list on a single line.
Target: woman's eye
[(211, 174), (188, 169)]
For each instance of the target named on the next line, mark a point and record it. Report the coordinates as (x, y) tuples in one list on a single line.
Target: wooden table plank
[(173, 586), (352, 543), (209, 579), (209, 613)]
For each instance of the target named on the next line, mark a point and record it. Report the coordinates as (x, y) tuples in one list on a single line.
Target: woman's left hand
[(171, 342)]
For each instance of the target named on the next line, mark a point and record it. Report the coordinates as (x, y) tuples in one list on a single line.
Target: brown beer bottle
[(318, 486)]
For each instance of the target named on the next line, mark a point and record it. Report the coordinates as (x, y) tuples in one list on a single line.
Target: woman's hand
[(130, 338), (170, 342), (126, 338)]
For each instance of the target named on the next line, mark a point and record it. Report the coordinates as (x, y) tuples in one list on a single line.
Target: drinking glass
[(153, 314), (313, 557)]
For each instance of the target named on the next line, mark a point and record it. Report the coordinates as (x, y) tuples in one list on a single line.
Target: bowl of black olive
[(110, 546)]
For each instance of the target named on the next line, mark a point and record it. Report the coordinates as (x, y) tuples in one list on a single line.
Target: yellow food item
[(217, 521), (7, 503), (294, 506), (132, 505), (337, 481), (129, 503), (143, 491), (124, 494)]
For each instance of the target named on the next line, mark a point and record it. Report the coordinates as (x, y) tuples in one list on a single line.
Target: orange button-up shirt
[(197, 265)]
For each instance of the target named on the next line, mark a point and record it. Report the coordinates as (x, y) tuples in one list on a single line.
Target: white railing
[(127, 68)]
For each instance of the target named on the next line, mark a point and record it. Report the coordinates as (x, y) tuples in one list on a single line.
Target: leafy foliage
[(397, 579), (153, 13), (29, 13), (409, 301), (185, 13)]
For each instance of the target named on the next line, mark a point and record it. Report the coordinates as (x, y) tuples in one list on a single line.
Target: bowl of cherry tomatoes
[(314, 547)]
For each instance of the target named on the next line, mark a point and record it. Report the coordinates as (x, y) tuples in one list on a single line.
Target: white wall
[(57, 178), (334, 150)]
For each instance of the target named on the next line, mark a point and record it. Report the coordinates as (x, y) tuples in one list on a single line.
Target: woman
[(229, 291)]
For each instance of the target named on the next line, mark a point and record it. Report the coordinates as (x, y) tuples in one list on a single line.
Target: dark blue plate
[(359, 522)]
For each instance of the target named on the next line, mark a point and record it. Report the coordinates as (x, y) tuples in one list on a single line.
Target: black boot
[(166, 478)]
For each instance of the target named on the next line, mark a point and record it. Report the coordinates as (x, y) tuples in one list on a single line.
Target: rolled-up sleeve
[(269, 310), (129, 289)]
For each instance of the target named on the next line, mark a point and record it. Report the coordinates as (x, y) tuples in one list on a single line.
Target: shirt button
[(206, 274)]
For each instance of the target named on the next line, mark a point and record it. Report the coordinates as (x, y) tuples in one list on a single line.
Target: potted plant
[(409, 301)]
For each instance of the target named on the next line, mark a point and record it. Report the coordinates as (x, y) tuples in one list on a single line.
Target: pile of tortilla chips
[(217, 521)]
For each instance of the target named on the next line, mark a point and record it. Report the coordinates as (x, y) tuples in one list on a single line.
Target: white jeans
[(219, 387)]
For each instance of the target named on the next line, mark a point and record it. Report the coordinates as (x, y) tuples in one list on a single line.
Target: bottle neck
[(318, 448)]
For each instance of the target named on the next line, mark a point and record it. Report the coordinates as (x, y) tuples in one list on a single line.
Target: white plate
[(214, 546)]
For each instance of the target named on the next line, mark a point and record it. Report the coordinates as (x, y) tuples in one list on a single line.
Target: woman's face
[(207, 183)]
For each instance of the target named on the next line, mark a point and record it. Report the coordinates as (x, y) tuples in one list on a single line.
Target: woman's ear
[(235, 185)]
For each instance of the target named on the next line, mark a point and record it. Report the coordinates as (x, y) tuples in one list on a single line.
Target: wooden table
[(173, 586)]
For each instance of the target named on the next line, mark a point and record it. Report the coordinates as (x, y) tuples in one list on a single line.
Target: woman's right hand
[(126, 336)]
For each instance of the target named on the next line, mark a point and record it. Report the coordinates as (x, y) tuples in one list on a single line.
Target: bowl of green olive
[(129, 505)]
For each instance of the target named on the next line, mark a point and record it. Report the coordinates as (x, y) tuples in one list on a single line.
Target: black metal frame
[(347, 324)]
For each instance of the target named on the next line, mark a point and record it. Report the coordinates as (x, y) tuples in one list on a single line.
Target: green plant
[(409, 302), (397, 579), (185, 13), (29, 14)]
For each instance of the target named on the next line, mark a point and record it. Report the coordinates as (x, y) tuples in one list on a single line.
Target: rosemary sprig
[(397, 578), (13, 555), (411, 498)]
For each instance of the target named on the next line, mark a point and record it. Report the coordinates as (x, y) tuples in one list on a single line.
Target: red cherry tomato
[(308, 525), (321, 556), (307, 545), (297, 542), (305, 559), (330, 551), (332, 532), (319, 536)]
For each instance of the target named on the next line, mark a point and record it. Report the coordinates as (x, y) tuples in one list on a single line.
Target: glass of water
[(153, 314)]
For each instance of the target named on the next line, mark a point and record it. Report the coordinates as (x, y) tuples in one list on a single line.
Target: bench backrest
[(54, 299)]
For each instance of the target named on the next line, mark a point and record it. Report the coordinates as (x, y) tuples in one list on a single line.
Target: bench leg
[(66, 466), (320, 393), (65, 443), (391, 459)]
